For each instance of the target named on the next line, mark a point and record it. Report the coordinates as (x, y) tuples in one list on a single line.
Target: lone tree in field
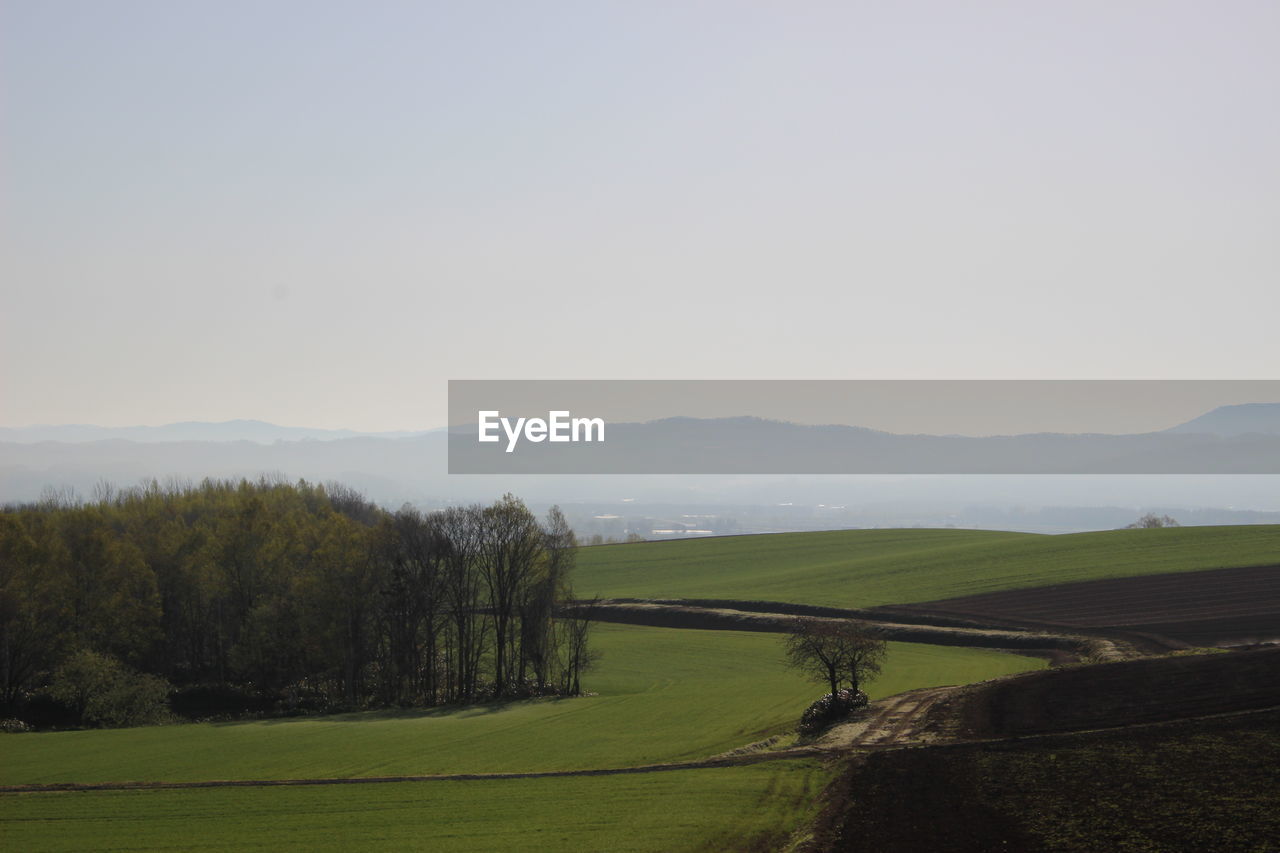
[(833, 650), (1152, 520)]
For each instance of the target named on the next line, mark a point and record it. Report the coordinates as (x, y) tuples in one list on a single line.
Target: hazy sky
[(317, 213)]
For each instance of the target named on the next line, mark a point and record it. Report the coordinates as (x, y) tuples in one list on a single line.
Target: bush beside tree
[(104, 692), (834, 651)]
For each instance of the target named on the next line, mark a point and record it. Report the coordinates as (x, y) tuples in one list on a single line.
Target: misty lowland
[(283, 664)]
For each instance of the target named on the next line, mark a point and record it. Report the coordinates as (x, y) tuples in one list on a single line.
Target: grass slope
[(664, 695), (735, 808), (865, 568)]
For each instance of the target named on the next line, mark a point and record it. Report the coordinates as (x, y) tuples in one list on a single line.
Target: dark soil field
[(1172, 753), (1239, 605), (1201, 785), (1124, 693)]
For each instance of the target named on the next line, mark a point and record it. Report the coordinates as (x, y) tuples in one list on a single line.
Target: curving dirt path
[(898, 722), (889, 722), (777, 617), (1205, 687)]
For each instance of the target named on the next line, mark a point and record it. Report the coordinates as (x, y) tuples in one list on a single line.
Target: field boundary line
[(800, 752), (1070, 733), (716, 761)]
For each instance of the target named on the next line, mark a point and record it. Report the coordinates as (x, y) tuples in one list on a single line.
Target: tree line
[(295, 593)]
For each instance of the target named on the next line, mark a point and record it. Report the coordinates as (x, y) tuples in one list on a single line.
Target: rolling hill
[(867, 568)]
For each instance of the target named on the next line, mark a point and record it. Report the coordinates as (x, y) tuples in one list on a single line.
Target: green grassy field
[(702, 809), (865, 568), (664, 695)]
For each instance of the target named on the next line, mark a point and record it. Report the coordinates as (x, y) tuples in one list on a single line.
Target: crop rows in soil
[(1121, 694), (1240, 604)]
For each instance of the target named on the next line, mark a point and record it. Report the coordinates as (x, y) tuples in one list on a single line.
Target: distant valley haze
[(233, 430), (411, 467)]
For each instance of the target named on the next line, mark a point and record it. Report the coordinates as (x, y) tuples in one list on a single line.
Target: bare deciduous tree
[(1153, 520), (831, 650), (578, 656)]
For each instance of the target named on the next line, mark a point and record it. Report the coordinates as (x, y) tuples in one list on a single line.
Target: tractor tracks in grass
[(728, 760), (890, 722), (1131, 694), (889, 719)]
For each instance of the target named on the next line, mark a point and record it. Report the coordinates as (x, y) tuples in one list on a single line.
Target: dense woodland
[(282, 596)]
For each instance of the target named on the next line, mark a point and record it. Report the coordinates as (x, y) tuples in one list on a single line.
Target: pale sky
[(317, 213)]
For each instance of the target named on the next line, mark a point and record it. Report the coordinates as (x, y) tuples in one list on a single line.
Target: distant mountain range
[(395, 467), (748, 445), (1244, 419), (260, 432)]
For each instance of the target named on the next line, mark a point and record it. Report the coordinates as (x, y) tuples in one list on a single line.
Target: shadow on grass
[(381, 714)]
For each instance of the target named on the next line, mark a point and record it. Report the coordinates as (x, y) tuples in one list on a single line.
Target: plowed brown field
[(1239, 605), (1126, 693)]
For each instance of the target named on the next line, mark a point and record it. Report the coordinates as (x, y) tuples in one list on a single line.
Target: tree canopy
[(834, 651), (287, 591)]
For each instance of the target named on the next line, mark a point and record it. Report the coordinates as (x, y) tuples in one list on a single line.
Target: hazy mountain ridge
[(1242, 419), (1245, 418), (758, 446), (260, 432), (394, 470)]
